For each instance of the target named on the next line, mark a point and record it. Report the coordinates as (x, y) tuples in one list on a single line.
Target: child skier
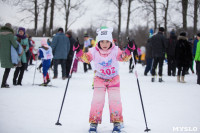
[(105, 57), (45, 53)]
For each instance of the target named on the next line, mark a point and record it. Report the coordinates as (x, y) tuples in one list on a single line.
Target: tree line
[(44, 10)]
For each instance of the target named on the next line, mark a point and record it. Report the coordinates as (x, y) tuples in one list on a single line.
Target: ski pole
[(35, 72), (70, 75), (147, 129)]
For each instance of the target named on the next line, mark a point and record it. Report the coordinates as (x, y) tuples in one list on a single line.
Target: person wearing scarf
[(19, 71)]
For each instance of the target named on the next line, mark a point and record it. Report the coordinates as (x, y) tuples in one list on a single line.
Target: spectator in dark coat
[(183, 55), (171, 46), (6, 40), (148, 57), (71, 52), (158, 44), (60, 47)]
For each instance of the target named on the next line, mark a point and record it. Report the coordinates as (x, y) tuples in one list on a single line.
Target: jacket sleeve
[(68, 46), (123, 55), (40, 54), (53, 44), (13, 41), (84, 57), (27, 44), (197, 55)]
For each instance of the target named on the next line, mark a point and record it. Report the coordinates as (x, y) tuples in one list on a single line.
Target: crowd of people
[(179, 53), (105, 56), (178, 50)]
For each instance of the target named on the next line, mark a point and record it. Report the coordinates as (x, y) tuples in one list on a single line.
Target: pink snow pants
[(115, 106)]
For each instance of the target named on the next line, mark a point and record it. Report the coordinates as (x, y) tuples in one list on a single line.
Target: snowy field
[(170, 106)]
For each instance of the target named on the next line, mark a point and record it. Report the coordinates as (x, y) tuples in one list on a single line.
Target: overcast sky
[(96, 10)]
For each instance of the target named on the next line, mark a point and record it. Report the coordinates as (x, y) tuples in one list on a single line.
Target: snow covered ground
[(170, 106)]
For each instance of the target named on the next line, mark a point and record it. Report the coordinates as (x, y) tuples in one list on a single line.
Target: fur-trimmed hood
[(6, 30), (182, 38)]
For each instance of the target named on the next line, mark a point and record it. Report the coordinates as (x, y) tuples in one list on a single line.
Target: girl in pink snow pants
[(105, 57)]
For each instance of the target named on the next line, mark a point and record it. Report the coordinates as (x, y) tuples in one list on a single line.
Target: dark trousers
[(148, 65), (68, 66), (19, 73), (157, 61), (85, 67), (171, 65), (198, 72), (27, 57), (181, 70), (5, 76), (131, 64), (63, 66), (31, 60)]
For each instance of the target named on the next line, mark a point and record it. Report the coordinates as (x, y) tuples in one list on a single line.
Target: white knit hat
[(104, 34)]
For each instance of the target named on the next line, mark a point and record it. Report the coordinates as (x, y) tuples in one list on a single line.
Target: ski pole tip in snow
[(58, 124), (147, 130)]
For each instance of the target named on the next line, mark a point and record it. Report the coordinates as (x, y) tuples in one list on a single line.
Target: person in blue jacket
[(60, 47)]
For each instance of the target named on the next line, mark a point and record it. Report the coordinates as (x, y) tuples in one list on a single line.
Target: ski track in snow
[(35, 109)]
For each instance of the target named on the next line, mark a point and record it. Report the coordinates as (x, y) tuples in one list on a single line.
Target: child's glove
[(76, 46), (24, 46), (19, 39), (131, 45)]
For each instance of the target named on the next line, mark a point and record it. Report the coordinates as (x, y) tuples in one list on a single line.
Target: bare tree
[(33, 7), (45, 16), (51, 17), (118, 4), (151, 7), (196, 6), (36, 16), (184, 13), (165, 8), (69, 8), (128, 17)]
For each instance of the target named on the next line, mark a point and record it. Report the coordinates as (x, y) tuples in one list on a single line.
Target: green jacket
[(25, 43), (6, 40), (197, 55)]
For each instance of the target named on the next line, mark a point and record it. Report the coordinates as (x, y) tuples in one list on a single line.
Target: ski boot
[(160, 80), (117, 127), (43, 84), (48, 80), (131, 71), (93, 128), (152, 79)]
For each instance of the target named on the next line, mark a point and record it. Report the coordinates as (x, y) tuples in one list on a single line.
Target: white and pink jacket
[(105, 62)]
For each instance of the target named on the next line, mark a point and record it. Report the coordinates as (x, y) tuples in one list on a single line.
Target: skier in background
[(45, 53), (88, 43)]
